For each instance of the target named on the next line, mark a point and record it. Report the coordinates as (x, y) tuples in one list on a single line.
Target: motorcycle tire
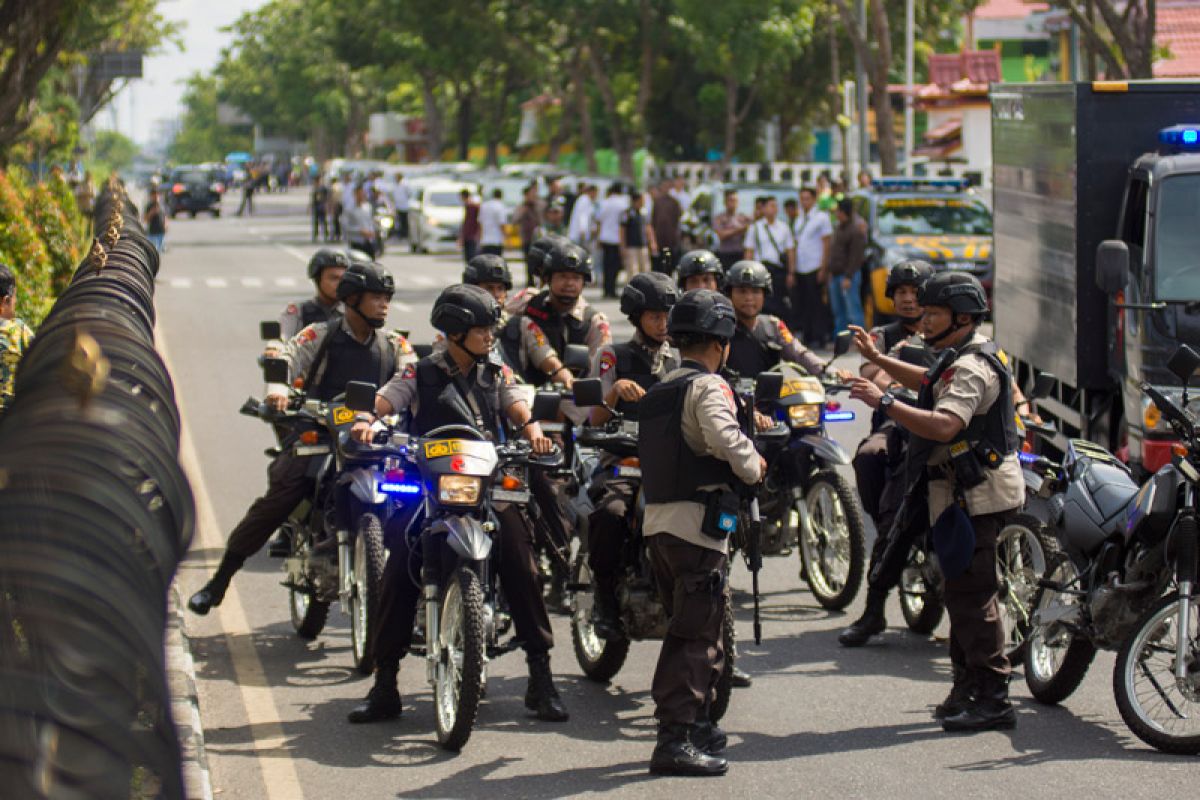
[(1136, 659), (1051, 683), (725, 682), (921, 601), (367, 585), (308, 615), (599, 659), (1018, 587), (458, 691), (833, 592)]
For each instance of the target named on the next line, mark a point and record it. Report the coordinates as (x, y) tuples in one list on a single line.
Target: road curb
[(185, 703)]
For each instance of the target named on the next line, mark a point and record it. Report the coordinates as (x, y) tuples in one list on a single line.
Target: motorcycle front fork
[(433, 639), (345, 560)]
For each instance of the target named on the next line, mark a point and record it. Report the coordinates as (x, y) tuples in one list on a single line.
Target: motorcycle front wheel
[(920, 595), (1022, 547), (1161, 710), (458, 682), (308, 615), (365, 588), (832, 549), (599, 659)]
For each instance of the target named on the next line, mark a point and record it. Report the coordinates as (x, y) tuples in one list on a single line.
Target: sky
[(156, 95)]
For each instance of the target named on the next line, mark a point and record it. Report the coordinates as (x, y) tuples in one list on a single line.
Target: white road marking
[(403, 308), (252, 283), (179, 283), (291, 251), (216, 283), (285, 282), (419, 280)]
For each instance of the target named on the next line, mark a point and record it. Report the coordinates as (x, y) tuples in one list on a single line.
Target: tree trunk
[(727, 151), (885, 127), (562, 132), (583, 106), (622, 141), (433, 118), (466, 121)]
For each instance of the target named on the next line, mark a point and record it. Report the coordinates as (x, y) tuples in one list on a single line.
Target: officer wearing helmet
[(489, 272), (626, 371), (761, 341), (322, 358), (539, 252), (700, 269), (325, 270), (692, 453), (469, 369), (878, 464), (962, 462)]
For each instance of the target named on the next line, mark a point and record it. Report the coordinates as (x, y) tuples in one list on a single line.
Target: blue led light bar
[(1028, 458), (1180, 137), (400, 488), (837, 416)]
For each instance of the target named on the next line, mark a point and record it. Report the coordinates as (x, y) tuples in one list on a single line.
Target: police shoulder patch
[(410, 373), (291, 309), (607, 361), (948, 374), (784, 333), (309, 334)]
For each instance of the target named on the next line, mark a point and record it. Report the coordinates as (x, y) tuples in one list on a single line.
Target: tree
[(875, 51), (202, 137), (114, 149), (1124, 36)]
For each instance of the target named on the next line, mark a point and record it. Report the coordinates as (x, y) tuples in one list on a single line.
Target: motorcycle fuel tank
[(1097, 494)]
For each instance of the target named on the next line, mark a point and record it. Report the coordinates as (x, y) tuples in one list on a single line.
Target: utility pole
[(861, 84), (909, 132)]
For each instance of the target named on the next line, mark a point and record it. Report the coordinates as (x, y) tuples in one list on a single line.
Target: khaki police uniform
[(761, 346), (297, 316), (536, 348)]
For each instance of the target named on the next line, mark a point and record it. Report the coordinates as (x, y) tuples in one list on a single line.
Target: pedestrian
[(730, 226), (470, 232), (318, 201), (156, 221), (492, 216), (666, 218), (963, 460), (771, 243), (637, 237), (847, 252), (552, 221), (583, 217), (527, 217), (693, 453), (608, 222), (248, 187), (401, 199), (359, 224), (813, 232), (864, 179), (333, 207), (825, 199), (679, 192), (15, 335)]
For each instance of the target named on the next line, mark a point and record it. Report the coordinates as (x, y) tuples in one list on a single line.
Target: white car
[(436, 214)]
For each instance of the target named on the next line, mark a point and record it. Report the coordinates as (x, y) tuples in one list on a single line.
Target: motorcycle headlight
[(807, 415), (459, 490)]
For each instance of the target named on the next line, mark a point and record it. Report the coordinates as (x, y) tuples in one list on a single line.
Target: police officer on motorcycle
[(962, 458), (325, 270), (879, 460), (490, 272), (539, 253), (693, 453), (626, 371), (467, 316), (700, 269), (761, 340), (325, 356)]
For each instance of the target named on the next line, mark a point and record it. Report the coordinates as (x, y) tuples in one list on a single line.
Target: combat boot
[(213, 592), (606, 619), (741, 679), (960, 695), (676, 755), (990, 709), (541, 697), (383, 701), (706, 735), (280, 545), (871, 623)]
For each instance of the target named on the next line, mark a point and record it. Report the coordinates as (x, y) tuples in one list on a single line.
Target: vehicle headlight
[(806, 415), (459, 490)]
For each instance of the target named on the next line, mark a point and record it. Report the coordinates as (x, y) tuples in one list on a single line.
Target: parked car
[(194, 189), (436, 215)]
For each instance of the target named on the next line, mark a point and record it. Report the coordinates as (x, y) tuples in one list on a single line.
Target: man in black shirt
[(318, 201)]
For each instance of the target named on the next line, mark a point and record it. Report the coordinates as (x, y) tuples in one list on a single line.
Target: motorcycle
[(642, 613), (457, 475)]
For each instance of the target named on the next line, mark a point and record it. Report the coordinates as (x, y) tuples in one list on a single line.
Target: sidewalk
[(185, 709)]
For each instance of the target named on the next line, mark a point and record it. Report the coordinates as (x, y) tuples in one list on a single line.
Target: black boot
[(383, 701), (741, 679), (871, 623), (541, 697), (988, 711), (676, 755), (606, 618), (961, 694), (706, 735), (280, 545), (213, 592)]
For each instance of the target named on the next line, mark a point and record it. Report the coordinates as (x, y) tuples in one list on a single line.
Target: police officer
[(490, 272), (539, 252), (878, 464), (692, 453), (325, 270), (761, 341), (325, 356), (963, 449), (467, 316), (626, 371), (700, 269)]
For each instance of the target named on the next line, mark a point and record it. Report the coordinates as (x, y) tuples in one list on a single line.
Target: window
[(1177, 239), (933, 217), (1133, 230)]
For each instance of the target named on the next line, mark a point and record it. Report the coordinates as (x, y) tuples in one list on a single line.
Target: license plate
[(629, 472), (508, 496), (312, 449)]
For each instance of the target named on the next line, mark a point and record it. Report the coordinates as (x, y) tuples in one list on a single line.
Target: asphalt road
[(819, 721)]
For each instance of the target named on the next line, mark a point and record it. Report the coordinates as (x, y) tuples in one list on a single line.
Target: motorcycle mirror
[(275, 370), (577, 359), (768, 386), (913, 354), (1183, 363), (545, 406), (841, 343), (1043, 385), (269, 329), (589, 392), (360, 396)]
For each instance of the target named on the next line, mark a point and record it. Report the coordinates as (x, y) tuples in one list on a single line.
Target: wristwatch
[(885, 402)]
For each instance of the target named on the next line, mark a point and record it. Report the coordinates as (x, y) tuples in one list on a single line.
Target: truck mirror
[(767, 387), (545, 406), (1112, 266), (1183, 363), (275, 370), (576, 359), (269, 329), (360, 396), (589, 392), (841, 344), (1043, 385)]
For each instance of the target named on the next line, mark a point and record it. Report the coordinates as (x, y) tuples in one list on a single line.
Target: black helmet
[(325, 258), (750, 274), (357, 256), (913, 272), (959, 291), (487, 268), (461, 307), (539, 252), (567, 257), (699, 262), (703, 312), (362, 277), (648, 291)]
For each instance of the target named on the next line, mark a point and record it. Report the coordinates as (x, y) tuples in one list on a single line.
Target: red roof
[(1178, 29), (1008, 9)]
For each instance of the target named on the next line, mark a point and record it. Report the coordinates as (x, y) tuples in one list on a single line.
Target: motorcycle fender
[(362, 486), (466, 537), (826, 450)]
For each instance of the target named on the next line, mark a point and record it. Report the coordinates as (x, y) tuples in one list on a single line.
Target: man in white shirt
[(608, 223), (813, 232), (579, 230), (401, 197), (492, 216), (771, 243), (680, 193), (359, 224)]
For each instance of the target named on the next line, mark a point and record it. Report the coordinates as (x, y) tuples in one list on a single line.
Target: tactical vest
[(481, 402), (313, 311), (752, 352), (560, 330), (671, 470), (341, 359), (891, 335), (633, 364)]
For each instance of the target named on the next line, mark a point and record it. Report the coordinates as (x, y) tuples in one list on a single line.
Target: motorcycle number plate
[(508, 496), (629, 472), (312, 449)]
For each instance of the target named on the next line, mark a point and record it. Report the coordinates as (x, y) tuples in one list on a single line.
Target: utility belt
[(721, 511), (968, 464)]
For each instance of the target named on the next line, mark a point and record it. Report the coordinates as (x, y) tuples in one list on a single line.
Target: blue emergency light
[(1180, 137), (1028, 458), (838, 416), (400, 488)]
